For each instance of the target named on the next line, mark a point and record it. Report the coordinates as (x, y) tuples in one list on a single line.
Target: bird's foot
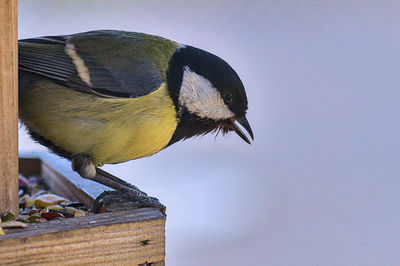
[(140, 198), (128, 190), (86, 169), (111, 201)]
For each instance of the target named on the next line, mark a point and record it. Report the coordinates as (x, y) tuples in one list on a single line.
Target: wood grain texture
[(134, 237), (8, 107)]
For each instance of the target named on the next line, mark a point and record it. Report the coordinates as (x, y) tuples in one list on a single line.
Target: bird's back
[(106, 97)]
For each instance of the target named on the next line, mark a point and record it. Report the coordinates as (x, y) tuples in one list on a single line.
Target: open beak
[(245, 124)]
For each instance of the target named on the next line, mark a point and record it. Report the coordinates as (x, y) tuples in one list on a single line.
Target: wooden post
[(8, 106)]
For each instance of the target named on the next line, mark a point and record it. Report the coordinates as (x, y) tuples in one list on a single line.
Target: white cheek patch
[(199, 96), (83, 71)]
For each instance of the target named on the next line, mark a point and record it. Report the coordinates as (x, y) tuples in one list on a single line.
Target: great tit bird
[(106, 97)]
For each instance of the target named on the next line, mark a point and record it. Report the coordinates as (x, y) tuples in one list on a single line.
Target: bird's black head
[(207, 93)]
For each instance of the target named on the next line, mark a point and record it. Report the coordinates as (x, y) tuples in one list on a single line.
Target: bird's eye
[(228, 99)]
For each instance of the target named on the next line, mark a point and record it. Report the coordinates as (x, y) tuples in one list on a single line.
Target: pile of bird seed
[(37, 204)]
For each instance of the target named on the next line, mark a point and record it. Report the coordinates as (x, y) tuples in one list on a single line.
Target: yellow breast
[(108, 130)]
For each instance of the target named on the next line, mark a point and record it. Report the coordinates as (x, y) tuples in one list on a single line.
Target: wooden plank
[(62, 180), (63, 167), (29, 166), (135, 237), (8, 107), (62, 186), (58, 175), (131, 237)]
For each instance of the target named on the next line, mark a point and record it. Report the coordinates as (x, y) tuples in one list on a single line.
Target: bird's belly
[(107, 130)]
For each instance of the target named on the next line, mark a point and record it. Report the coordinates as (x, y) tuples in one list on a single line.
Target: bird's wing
[(105, 63)]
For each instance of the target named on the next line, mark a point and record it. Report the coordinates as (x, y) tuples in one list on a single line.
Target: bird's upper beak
[(245, 124)]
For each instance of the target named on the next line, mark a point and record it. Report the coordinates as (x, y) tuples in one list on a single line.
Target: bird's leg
[(114, 178), (130, 190), (83, 165)]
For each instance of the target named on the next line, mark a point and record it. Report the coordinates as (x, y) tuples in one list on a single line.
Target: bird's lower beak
[(245, 124)]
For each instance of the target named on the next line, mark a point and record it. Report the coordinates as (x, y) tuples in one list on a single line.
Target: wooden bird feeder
[(124, 236)]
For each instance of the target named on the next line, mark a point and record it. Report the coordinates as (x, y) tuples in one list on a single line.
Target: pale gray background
[(320, 184)]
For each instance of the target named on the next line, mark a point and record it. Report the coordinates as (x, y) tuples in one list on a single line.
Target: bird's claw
[(110, 201)]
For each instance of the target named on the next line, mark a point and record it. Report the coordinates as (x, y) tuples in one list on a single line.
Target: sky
[(320, 183)]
